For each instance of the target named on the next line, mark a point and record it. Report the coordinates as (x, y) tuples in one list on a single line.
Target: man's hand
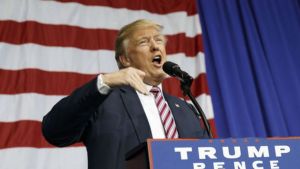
[(128, 76)]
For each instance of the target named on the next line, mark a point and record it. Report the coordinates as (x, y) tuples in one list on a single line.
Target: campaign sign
[(246, 153)]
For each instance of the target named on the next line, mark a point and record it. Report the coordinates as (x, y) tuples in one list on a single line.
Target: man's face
[(146, 51)]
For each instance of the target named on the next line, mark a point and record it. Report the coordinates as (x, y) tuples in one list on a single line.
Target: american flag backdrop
[(48, 48)]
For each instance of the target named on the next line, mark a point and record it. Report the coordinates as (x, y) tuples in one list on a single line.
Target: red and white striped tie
[(165, 113)]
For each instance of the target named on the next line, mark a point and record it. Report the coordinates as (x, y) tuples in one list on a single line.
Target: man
[(116, 112)]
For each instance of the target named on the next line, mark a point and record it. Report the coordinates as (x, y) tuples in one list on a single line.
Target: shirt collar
[(149, 87)]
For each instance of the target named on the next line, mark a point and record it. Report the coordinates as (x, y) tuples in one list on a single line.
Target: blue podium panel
[(246, 153)]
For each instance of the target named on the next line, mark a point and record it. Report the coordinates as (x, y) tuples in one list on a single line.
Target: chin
[(154, 80)]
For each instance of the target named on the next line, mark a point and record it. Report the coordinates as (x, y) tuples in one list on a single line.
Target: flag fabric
[(49, 48)]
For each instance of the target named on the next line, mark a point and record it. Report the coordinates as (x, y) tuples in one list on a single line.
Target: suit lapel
[(178, 114), (136, 113)]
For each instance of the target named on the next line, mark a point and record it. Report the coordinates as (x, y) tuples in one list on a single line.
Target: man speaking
[(116, 112)]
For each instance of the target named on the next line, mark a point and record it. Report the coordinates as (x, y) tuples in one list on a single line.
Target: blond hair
[(126, 32)]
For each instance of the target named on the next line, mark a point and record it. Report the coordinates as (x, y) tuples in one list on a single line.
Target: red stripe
[(199, 86), (39, 81), (169, 127), (166, 117), (56, 35), (23, 134), (213, 128), (180, 43), (159, 100), (83, 38), (63, 83), (154, 6), (28, 134)]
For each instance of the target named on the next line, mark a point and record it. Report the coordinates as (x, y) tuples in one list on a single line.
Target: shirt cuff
[(102, 87)]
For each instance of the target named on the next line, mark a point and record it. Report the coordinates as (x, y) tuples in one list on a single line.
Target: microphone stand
[(185, 84)]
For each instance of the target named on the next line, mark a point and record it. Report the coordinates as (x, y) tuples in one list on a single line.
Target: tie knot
[(155, 90)]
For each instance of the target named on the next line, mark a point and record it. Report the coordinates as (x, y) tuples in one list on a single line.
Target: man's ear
[(124, 60)]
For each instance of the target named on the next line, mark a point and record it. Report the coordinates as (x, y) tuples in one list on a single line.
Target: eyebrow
[(146, 37)]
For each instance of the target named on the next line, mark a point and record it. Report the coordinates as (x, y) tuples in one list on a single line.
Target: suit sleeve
[(67, 120)]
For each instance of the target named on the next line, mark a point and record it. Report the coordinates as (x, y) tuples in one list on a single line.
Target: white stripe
[(66, 59), (160, 106), (31, 106), (164, 113), (176, 135), (17, 57), (25, 106), (172, 130), (192, 65), (45, 158), (161, 103), (51, 12), (168, 122)]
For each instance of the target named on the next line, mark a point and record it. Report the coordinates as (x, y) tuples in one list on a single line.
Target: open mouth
[(156, 59)]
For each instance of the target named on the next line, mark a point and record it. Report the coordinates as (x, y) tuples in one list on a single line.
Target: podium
[(243, 153), (138, 158)]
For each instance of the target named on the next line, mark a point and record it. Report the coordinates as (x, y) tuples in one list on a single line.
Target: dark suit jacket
[(110, 125)]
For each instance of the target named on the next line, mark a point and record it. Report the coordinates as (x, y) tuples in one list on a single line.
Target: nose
[(154, 47)]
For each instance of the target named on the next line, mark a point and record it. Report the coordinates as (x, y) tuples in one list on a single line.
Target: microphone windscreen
[(169, 67)]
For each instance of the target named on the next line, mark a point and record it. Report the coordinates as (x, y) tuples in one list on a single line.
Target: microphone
[(174, 70), (186, 80)]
